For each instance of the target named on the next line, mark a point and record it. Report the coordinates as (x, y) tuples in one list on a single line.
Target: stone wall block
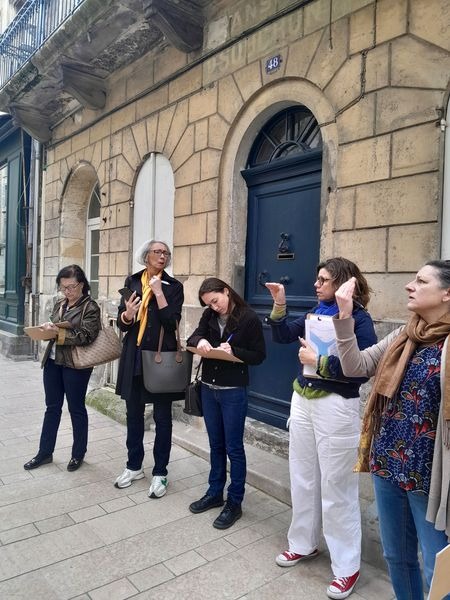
[(121, 267), (211, 235), (345, 209), (345, 7), (104, 241), (52, 172), (167, 61), (119, 192), (183, 201), (249, 79), (125, 172), (394, 201), (103, 266), (357, 121), (100, 130), (377, 68), (97, 155), (189, 172), (210, 163), (203, 259), (151, 103), (51, 228), (430, 20), (109, 217), (151, 124), (139, 131), (119, 239), (123, 215), (301, 53), (184, 149), (123, 117), (217, 32), (203, 104), (106, 149), (429, 69), (389, 297), (114, 284), (115, 142), (410, 246), (398, 108), (392, 19), (80, 140), (224, 63), (218, 131), (72, 249), (268, 40), (64, 170), (247, 13), (185, 84), (316, 16), (190, 230), (328, 60), (164, 121), (201, 135), (181, 260), (129, 149), (116, 94), (205, 196), (62, 150), (362, 29), (229, 100), (346, 84), (364, 161), (177, 126), (415, 150), (139, 77), (366, 246)]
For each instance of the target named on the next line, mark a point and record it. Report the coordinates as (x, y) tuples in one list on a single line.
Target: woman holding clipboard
[(324, 433), (230, 324)]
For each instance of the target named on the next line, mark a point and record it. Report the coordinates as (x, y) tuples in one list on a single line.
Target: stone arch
[(232, 217), (78, 187)]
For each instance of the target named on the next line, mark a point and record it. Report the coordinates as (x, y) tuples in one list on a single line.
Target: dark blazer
[(247, 344), (167, 317)]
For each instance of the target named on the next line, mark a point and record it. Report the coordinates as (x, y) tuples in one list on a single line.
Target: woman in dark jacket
[(230, 324), (155, 302), (83, 314)]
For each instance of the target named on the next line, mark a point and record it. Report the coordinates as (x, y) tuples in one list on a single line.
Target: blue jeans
[(224, 412), (402, 527), (73, 383), (162, 415)]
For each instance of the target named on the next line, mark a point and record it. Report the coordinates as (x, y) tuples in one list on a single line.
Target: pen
[(229, 338), (165, 282)]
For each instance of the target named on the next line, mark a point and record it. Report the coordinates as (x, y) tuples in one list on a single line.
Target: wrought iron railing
[(33, 24)]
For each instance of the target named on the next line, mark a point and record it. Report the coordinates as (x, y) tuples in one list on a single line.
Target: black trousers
[(60, 381), (162, 415)]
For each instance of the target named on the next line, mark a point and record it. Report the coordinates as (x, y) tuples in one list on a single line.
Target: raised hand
[(344, 298), (132, 307), (277, 291)]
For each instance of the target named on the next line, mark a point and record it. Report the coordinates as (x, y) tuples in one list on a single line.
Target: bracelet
[(125, 321), (278, 304)]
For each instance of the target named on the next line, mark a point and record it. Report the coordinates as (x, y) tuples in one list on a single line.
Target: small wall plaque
[(273, 64)]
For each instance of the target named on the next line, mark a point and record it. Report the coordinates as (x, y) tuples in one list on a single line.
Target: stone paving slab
[(74, 536)]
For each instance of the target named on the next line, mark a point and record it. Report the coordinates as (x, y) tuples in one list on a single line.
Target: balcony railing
[(32, 26)]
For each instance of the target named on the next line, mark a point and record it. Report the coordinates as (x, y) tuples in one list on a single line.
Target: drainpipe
[(36, 171), (445, 233)]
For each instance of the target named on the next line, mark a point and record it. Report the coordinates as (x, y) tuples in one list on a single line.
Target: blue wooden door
[(283, 237)]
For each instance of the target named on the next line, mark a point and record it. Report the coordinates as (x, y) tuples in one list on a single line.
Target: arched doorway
[(283, 176)]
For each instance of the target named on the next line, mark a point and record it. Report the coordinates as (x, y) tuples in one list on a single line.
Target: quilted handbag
[(105, 348), (166, 372)]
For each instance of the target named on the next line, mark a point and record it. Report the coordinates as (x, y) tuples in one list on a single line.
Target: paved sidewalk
[(75, 536)]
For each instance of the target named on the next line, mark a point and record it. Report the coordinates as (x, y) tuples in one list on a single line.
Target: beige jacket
[(356, 363)]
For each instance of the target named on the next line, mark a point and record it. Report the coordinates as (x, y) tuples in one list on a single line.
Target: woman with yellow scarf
[(405, 440), (155, 301)]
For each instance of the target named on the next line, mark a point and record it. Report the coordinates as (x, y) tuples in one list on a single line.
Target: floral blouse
[(403, 449)]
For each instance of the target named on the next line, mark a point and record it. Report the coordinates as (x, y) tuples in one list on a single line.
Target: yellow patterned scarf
[(147, 294)]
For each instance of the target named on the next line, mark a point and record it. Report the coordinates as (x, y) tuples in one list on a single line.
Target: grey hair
[(442, 268), (141, 253)]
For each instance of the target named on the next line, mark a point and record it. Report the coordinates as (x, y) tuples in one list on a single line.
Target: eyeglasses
[(159, 252), (322, 280), (68, 288)]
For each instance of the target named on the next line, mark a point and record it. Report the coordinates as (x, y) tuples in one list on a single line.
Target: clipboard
[(216, 353), (39, 334), (320, 335), (440, 584)]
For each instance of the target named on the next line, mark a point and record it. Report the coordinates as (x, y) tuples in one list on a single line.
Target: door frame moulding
[(232, 211)]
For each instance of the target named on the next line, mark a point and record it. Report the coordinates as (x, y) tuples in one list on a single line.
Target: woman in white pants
[(324, 433)]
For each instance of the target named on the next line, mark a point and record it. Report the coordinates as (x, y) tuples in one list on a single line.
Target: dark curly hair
[(341, 269)]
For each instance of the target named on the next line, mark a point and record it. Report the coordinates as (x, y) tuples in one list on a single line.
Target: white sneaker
[(158, 487), (127, 477)]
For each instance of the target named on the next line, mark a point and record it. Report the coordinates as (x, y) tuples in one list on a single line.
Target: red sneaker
[(289, 559), (341, 587)]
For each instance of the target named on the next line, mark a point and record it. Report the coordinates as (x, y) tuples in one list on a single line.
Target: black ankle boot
[(229, 515)]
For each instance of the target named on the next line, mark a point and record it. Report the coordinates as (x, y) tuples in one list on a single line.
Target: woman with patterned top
[(406, 430), (324, 433)]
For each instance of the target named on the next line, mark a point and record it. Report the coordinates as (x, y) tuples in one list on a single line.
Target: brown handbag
[(104, 349)]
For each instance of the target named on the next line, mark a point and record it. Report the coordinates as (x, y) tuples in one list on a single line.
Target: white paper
[(321, 336)]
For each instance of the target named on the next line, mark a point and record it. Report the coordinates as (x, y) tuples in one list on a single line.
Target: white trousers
[(323, 442)]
